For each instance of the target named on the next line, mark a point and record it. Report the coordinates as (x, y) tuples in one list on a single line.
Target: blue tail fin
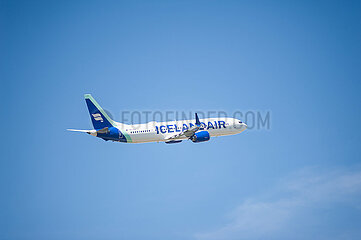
[(98, 116)]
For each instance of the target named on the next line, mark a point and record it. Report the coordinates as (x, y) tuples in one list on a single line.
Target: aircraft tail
[(99, 117)]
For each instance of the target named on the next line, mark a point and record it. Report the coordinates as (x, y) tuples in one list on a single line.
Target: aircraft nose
[(242, 126)]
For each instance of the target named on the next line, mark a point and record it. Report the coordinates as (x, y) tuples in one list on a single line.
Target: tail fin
[(98, 116)]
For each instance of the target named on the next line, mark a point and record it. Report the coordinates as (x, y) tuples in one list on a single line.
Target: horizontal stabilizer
[(91, 132)]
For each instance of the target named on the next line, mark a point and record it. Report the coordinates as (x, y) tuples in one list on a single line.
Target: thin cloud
[(290, 205)]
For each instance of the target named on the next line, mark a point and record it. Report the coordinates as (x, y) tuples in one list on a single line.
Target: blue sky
[(300, 60)]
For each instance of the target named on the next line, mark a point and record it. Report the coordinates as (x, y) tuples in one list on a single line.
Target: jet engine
[(201, 136)]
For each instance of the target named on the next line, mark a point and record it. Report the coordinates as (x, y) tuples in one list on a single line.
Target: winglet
[(198, 123)]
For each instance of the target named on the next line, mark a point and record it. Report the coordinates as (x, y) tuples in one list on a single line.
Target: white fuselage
[(162, 131)]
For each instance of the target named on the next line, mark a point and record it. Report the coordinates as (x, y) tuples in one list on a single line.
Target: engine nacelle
[(201, 136)]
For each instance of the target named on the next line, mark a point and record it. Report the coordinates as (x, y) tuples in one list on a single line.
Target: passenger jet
[(198, 130)]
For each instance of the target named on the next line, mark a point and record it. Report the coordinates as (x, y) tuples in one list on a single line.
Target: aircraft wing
[(187, 133)]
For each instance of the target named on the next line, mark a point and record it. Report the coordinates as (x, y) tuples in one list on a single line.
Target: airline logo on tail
[(97, 117)]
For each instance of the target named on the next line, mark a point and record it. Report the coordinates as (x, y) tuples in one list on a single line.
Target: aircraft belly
[(143, 138)]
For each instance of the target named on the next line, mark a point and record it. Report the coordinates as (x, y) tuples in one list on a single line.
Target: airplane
[(200, 130)]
